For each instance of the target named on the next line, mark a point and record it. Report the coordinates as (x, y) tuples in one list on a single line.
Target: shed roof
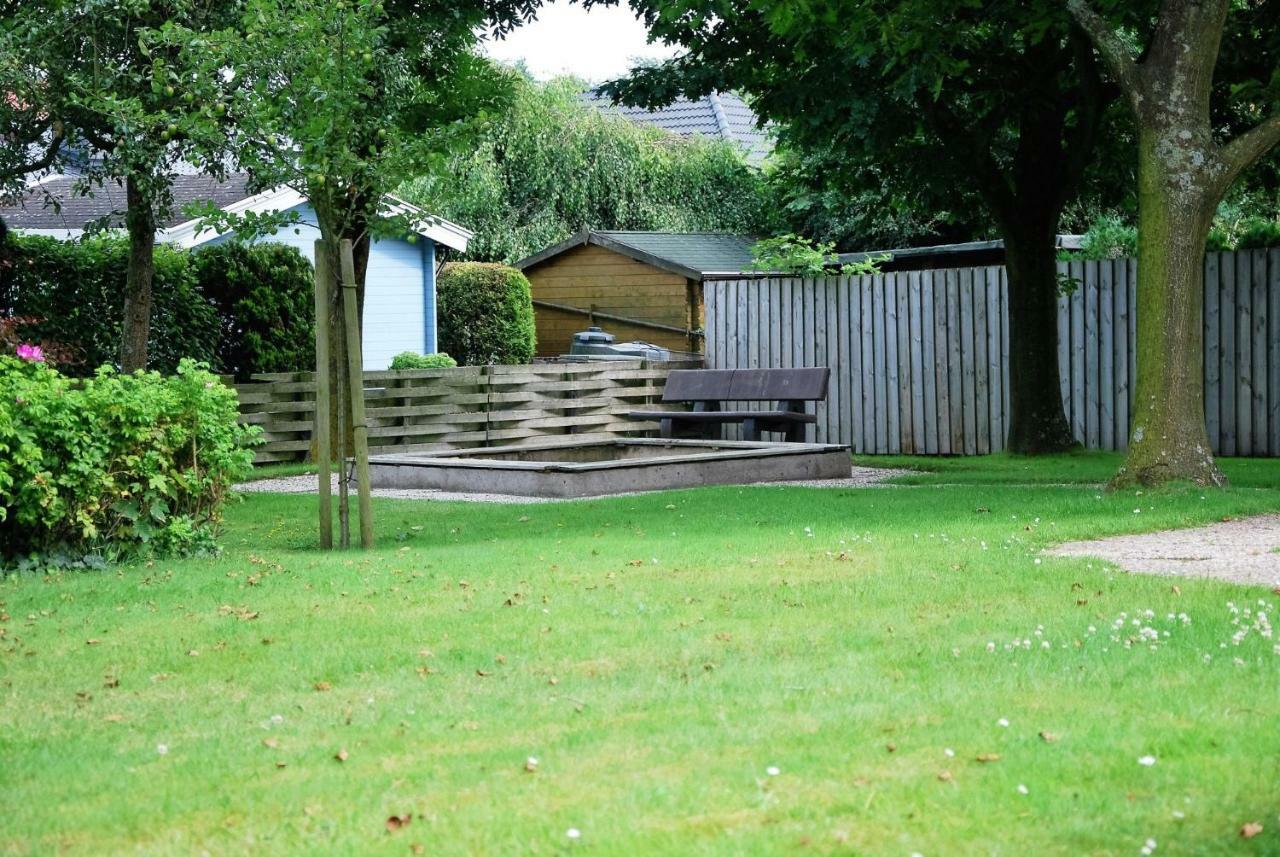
[(689, 254), (721, 115)]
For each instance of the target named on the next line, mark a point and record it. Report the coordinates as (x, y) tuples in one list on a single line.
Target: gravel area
[(1244, 551), (859, 477)]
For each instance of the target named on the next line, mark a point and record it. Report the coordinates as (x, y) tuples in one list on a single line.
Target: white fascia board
[(188, 235)]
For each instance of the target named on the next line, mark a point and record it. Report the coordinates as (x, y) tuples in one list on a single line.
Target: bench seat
[(723, 416)]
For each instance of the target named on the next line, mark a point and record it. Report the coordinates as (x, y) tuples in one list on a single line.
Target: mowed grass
[(657, 655)]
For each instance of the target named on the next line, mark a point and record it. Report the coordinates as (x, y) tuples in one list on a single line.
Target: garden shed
[(637, 285)]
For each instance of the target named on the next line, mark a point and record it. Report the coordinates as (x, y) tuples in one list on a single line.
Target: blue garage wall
[(399, 301)]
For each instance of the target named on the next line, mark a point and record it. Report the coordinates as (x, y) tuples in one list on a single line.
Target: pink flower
[(33, 353)]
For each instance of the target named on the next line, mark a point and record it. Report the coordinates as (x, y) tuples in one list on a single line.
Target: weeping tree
[(1202, 81), (1000, 102), (89, 73)]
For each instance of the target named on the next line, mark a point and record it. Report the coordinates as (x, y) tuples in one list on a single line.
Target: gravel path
[(859, 477), (1244, 551)]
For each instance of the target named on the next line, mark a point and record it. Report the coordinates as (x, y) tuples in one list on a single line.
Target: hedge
[(485, 314), (114, 466), (263, 294), (243, 309)]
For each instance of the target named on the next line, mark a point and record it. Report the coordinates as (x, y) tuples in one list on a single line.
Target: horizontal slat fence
[(470, 406), (920, 359)]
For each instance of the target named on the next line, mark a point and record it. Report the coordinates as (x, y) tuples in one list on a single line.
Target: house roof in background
[(75, 212), (719, 115), (693, 255)]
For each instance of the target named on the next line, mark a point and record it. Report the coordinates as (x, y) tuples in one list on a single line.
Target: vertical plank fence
[(920, 359)]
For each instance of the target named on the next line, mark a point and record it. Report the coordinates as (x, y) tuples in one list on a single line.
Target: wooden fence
[(919, 359), (434, 409)]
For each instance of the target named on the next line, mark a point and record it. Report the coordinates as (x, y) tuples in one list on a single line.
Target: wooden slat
[(906, 421), (929, 366), (918, 444), (1120, 354), (1076, 414), (967, 351), (1106, 356), (996, 360), (893, 412), (1227, 338), (981, 364), (1261, 371), (1273, 351), (955, 392), (1244, 353), (867, 326)]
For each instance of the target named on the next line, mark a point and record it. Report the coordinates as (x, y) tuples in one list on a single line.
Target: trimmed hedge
[(413, 360), (241, 308), (76, 290), (485, 314), (114, 466), (263, 294)]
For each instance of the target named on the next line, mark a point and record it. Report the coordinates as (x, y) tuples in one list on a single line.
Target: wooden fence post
[(355, 369), (320, 422)]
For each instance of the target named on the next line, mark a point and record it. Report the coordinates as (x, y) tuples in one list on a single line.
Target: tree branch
[(1113, 50), (975, 148), (1248, 148)]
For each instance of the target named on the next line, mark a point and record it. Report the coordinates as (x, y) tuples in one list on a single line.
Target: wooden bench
[(707, 389)]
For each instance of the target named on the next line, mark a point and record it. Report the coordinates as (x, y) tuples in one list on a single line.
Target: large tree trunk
[(1037, 419), (1168, 441), (140, 223)]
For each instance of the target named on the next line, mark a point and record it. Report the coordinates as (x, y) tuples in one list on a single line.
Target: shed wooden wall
[(615, 284)]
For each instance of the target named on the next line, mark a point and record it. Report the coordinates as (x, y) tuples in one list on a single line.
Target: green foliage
[(241, 308), (1109, 237), (485, 314), (550, 166), (114, 465), (794, 254), (413, 360), (264, 296), (74, 289)]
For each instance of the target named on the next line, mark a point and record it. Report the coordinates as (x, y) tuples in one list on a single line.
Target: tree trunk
[(140, 223), (1175, 209), (1037, 419), (340, 427)]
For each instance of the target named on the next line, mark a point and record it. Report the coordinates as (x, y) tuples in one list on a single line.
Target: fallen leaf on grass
[(113, 718), (270, 743), (396, 822), (322, 686), (988, 757), (891, 746), (483, 673), (92, 642), (341, 755), (944, 776), (1048, 737), (110, 681), (281, 764), (636, 563), (1250, 830)]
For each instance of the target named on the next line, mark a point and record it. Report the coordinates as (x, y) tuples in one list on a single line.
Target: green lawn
[(658, 655)]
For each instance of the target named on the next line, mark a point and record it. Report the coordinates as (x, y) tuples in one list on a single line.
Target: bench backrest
[(747, 385)]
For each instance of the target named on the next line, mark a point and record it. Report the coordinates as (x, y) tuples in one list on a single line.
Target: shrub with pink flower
[(30, 353)]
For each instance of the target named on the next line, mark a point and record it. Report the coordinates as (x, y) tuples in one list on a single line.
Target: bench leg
[(795, 433), (750, 430), (665, 428)]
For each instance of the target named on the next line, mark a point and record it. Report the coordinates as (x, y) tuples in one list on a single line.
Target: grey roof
[(721, 115), (947, 255), (75, 212), (689, 254)]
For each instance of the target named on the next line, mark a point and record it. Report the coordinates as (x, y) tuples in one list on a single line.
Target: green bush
[(76, 291), (264, 297), (413, 360), (114, 466), (1109, 238), (485, 314)]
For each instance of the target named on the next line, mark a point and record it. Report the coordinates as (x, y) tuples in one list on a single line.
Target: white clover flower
[(573, 833), (1146, 761), (772, 770), (1003, 722), (1022, 789)]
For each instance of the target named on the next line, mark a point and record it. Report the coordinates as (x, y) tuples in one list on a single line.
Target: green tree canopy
[(551, 165)]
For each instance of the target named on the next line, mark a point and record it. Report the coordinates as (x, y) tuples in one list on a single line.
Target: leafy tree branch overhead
[(948, 103)]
